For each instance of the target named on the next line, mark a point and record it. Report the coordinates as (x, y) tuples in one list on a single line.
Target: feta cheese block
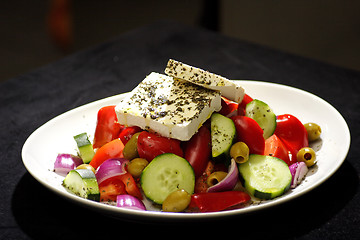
[(171, 107), (228, 89)]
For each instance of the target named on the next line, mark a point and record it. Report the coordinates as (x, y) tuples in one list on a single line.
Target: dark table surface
[(30, 211)]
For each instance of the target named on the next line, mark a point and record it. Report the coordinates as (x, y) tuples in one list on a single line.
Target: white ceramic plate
[(56, 136)]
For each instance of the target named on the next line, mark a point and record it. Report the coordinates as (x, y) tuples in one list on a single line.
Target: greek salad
[(188, 141)]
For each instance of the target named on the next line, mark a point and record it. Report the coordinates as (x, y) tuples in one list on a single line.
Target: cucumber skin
[(268, 113), (225, 155), (85, 147), (144, 173), (259, 194), (89, 181)]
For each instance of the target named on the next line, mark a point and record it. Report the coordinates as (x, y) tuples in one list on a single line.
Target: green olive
[(307, 155), (176, 201), (215, 177), (86, 166), (130, 150), (313, 131), (239, 152), (136, 166)]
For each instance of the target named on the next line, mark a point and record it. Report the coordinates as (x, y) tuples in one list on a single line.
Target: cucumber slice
[(165, 174), (222, 136), (82, 182), (263, 115), (85, 147), (265, 177)]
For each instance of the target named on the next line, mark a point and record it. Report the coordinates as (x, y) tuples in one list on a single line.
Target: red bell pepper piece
[(292, 133), (113, 149), (107, 126), (217, 201)]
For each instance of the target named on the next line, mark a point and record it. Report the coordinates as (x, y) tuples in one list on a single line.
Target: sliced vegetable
[(129, 202), (292, 132), (265, 177), (263, 115), (242, 106), (82, 182), (85, 147), (276, 148), (249, 132), (229, 182), (64, 163), (111, 168), (150, 145), (218, 201), (130, 185), (166, 174), (111, 188), (113, 149), (107, 126), (223, 133), (298, 172), (198, 150)]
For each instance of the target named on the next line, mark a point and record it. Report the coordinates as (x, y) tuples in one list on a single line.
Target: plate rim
[(154, 215)]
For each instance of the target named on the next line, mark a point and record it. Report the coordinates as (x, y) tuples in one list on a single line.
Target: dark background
[(324, 30)]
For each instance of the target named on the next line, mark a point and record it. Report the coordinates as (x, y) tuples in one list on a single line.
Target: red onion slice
[(64, 163), (111, 168), (229, 182), (130, 202), (298, 171)]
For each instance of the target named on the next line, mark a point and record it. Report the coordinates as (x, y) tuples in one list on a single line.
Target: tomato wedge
[(198, 150), (113, 149), (130, 185), (249, 132), (110, 188), (275, 147), (150, 145)]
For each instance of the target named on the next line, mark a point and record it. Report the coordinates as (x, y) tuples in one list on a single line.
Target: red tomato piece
[(107, 126), (242, 105), (113, 149), (150, 145), (198, 150), (249, 132), (275, 147), (110, 188), (292, 133), (128, 132), (217, 201), (130, 185)]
